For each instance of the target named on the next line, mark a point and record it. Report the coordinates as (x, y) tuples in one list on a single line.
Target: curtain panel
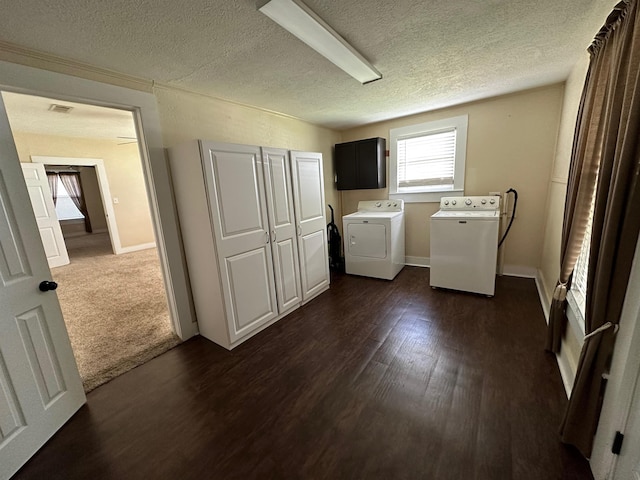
[(585, 161), (72, 183), (611, 122), (52, 178)]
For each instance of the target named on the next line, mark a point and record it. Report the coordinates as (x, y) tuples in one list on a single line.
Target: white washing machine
[(464, 244), (374, 239)]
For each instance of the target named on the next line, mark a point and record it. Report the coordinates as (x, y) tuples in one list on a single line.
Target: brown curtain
[(52, 177), (585, 161), (72, 183), (615, 74)]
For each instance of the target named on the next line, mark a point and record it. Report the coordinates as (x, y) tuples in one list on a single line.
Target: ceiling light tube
[(298, 19)]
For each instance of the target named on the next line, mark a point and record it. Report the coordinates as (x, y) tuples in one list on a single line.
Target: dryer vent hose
[(513, 215)]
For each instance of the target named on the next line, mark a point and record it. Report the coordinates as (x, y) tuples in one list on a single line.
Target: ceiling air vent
[(60, 108)]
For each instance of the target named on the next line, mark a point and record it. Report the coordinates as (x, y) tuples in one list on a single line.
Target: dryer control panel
[(381, 206), (470, 203)]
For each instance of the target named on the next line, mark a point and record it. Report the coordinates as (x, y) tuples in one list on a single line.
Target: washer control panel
[(470, 203), (381, 206)]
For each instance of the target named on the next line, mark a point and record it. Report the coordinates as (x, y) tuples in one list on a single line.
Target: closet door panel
[(237, 201), (287, 270), (279, 194), (308, 194), (249, 282), (313, 255)]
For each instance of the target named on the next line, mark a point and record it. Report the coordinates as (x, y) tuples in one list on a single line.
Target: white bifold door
[(284, 244), (40, 388), (252, 206), (308, 194), (44, 210), (235, 183)]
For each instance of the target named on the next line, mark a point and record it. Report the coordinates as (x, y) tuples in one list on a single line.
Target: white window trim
[(575, 307), (460, 123)]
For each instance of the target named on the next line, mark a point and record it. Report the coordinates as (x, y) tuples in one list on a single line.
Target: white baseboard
[(509, 270), (567, 371), (135, 248), (519, 271), (82, 234), (545, 301), (417, 261)]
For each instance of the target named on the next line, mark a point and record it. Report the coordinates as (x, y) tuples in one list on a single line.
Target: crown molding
[(10, 52)]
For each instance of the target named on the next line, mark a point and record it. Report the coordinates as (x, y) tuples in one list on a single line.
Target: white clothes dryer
[(374, 239)]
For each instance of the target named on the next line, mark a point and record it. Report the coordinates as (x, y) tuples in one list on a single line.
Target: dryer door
[(367, 240)]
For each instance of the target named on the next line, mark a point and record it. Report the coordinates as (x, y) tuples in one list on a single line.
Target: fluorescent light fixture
[(298, 19)]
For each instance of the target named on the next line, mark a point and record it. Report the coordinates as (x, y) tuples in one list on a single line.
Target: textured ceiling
[(31, 114), (431, 53)]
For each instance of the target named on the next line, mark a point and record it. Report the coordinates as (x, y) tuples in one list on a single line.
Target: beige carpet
[(114, 306)]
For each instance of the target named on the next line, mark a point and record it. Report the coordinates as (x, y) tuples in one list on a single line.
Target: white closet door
[(55, 248), (284, 244), (235, 189), (308, 196)]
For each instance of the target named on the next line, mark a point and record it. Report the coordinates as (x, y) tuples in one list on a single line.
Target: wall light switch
[(115, 200)]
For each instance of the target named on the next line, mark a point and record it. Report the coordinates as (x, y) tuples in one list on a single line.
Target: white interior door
[(628, 463), (308, 197), (55, 249), (40, 388), (235, 187), (284, 245)]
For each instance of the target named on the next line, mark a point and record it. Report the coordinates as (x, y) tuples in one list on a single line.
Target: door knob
[(45, 286)]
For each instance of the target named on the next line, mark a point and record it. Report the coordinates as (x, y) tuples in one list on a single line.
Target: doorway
[(112, 293)]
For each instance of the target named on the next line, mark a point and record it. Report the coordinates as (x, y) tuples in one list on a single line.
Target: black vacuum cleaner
[(336, 261)]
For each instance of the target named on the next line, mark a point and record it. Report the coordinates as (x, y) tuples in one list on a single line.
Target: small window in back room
[(65, 208), (427, 160)]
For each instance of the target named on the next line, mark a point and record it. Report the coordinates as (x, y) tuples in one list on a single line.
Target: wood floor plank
[(373, 379)]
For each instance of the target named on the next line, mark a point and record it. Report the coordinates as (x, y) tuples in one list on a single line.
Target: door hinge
[(617, 443)]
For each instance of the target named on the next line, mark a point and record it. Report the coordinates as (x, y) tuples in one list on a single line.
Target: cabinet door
[(308, 198), (370, 165), (346, 167), (284, 246), (235, 189)]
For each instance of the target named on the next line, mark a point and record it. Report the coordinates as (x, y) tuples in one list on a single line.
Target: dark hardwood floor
[(373, 379)]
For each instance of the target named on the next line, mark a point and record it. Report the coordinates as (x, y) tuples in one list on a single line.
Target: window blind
[(581, 270), (427, 160)]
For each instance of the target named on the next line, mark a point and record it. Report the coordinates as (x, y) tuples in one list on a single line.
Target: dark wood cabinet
[(361, 164)]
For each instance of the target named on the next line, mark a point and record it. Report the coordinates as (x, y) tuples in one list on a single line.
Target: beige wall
[(124, 171), (511, 143), (186, 116), (93, 200)]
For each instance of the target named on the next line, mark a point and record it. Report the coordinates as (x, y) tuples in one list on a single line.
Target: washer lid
[(467, 214), (371, 215)]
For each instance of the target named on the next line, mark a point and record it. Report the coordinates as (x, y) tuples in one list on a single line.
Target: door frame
[(623, 380), (105, 194), (33, 81)]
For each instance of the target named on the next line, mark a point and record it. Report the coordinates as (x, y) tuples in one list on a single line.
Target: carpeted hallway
[(114, 306)]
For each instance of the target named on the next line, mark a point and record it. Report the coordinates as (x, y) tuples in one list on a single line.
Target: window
[(578, 293), (65, 208), (427, 160)]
